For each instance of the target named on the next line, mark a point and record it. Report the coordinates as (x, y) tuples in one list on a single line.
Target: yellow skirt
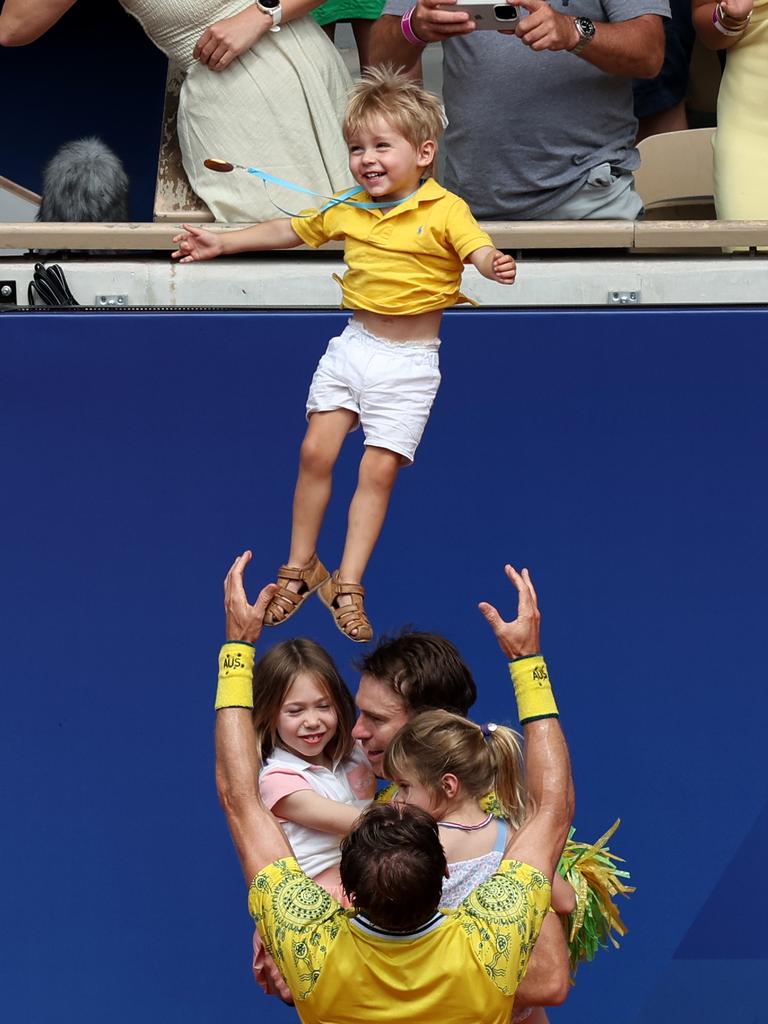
[(741, 139)]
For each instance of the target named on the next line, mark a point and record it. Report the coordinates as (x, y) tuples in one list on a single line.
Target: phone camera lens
[(505, 12)]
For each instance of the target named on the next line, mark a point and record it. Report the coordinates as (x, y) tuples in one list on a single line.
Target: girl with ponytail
[(447, 765)]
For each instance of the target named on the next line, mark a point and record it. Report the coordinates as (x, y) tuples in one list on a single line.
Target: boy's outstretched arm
[(495, 265), (202, 244)]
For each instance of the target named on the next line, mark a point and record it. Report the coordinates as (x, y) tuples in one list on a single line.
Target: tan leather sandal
[(286, 602), (346, 616)]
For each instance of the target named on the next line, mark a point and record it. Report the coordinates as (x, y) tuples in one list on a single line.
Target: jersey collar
[(365, 925)]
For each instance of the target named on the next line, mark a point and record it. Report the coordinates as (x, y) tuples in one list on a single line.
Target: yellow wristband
[(533, 691), (235, 689)]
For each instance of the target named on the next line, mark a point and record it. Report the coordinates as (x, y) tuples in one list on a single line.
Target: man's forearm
[(546, 981), (389, 45), (256, 834), (547, 765), (632, 49), (548, 777), (548, 772)]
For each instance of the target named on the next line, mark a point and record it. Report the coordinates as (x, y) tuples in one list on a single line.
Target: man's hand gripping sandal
[(286, 602), (346, 616)]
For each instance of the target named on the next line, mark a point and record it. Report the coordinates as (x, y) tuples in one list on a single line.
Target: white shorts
[(391, 386)]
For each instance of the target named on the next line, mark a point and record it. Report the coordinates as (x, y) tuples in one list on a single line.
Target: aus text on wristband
[(235, 689), (407, 30), (533, 690)]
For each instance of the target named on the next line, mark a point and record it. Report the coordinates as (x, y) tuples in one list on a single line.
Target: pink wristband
[(408, 33)]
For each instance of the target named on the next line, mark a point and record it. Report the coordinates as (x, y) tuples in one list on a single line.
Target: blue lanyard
[(345, 197)]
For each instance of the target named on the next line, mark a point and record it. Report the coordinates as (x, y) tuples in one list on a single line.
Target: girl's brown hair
[(436, 743), (272, 677)]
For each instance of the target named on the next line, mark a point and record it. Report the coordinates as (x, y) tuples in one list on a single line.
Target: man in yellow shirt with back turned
[(406, 241), (394, 955)]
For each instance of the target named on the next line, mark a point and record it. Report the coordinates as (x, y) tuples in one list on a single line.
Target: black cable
[(49, 285)]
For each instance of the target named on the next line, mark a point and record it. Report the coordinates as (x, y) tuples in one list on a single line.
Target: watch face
[(270, 5), (585, 28)]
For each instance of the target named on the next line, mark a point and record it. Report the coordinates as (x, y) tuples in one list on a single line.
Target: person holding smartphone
[(541, 123)]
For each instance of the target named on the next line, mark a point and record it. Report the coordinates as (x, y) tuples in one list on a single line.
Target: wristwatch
[(273, 9), (586, 30)]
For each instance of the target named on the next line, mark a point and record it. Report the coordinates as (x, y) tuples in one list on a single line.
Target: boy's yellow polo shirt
[(461, 967), (404, 259)]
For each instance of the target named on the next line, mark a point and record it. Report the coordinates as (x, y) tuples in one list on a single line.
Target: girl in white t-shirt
[(314, 778)]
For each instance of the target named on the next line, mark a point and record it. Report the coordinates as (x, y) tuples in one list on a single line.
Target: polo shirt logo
[(420, 230)]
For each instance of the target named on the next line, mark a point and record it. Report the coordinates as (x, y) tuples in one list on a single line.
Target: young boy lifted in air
[(404, 261)]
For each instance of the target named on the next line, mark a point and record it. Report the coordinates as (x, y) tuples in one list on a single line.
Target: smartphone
[(488, 15)]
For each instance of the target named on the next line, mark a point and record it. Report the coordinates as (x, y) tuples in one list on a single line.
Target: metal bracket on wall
[(111, 300), (623, 298), (8, 293)]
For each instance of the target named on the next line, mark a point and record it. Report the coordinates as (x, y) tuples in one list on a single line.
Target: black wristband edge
[(538, 718)]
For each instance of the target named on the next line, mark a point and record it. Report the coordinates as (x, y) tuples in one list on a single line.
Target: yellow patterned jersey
[(462, 966)]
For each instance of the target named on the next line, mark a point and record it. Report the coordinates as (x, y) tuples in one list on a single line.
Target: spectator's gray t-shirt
[(525, 127)]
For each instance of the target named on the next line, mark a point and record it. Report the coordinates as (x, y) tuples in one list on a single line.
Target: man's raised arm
[(547, 765), (255, 832)]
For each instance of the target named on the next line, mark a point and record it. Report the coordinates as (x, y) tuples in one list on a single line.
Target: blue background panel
[(619, 454)]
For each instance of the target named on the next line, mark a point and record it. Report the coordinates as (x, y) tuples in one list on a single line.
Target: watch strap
[(584, 40), (275, 13)]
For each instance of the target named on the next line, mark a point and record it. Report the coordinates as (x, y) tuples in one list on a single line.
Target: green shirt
[(347, 10)]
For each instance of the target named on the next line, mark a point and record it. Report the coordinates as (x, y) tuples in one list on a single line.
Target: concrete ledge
[(701, 234), (159, 235), (529, 235), (561, 234)]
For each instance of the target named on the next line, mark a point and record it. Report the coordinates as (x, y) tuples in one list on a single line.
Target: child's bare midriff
[(415, 328)]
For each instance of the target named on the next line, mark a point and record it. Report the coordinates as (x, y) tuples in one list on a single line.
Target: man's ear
[(449, 785), (426, 153)]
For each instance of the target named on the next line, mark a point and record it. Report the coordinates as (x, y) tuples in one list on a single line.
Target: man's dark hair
[(393, 865), (424, 669)]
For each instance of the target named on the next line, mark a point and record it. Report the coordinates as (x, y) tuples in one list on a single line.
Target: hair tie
[(487, 729)]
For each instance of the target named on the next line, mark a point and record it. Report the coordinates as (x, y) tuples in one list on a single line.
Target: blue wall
[(620, 455)]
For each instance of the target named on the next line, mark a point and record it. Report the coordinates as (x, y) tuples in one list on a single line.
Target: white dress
[(277, 107)]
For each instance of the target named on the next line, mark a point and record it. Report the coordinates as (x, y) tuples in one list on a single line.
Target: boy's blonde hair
[(385, 92), (436, 743)]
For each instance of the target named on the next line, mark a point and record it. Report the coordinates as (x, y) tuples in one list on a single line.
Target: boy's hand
[(503, 268), (197, 244)]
